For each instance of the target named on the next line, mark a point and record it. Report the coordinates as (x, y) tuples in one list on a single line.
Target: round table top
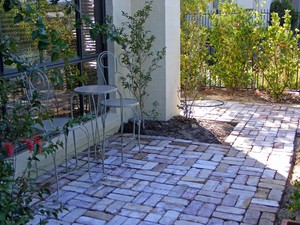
[(95, 89)]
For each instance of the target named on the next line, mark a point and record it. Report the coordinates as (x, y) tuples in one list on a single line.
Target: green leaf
[(27, 18), (44, 40), (34, 34), (69, 10), (54, 56), (42, 45), (29, 9), (94, 34), (8, 61), (8, 5), (53, 36), (54, 2), (18, 18), (70, 54)]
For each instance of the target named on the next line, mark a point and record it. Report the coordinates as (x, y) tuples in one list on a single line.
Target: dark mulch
[(190, 129), (179, 127)]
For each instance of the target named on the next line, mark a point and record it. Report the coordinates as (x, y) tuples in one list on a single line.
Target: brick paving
[(174, 181)]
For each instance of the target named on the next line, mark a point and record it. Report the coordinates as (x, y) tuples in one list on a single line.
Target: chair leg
[(139, 127), (75, 149), (139, 133), (122, 135), (56, 174), (103, 117), (66, 152), (86, 132)]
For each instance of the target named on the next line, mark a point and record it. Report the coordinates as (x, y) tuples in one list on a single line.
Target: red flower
[(9, 147), (29, 144), (38, 141)]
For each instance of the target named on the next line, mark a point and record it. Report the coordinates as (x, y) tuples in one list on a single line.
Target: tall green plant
[(234, 36), (194, 54), (279, 57)]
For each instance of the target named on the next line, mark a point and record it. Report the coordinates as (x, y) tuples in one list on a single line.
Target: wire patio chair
[(108, 63)]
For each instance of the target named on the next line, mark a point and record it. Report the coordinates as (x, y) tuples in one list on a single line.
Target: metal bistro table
[(92, 91)]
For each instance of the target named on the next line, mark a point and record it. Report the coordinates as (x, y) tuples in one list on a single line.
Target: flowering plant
[(17, 133)]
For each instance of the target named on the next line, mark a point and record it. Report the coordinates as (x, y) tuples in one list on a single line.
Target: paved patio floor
[(172, 181)]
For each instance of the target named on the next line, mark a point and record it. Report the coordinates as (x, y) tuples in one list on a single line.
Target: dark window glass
[(79, 40)]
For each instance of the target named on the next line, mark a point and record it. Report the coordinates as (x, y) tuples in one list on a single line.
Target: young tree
[(194, 55)]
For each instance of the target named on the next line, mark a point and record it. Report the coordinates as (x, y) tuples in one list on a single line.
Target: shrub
[(279, 7), (278, 56), (294, 205), (194, 55), (234, 36)]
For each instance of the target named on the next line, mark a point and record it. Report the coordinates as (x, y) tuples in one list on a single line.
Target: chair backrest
[(38, 88), (107, 63)]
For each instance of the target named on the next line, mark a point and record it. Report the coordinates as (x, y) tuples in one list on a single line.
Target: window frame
[(81, 57)]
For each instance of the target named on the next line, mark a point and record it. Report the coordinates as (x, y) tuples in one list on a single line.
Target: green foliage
[(294, 205), (194, 55), (279, 58), (137, 55), (244, 52), (193, 6), (17, 131), (280, 6), (234, 36), (17, 120), (47, 36)]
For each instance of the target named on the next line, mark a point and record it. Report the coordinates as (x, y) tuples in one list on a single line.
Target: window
[(78, 39)]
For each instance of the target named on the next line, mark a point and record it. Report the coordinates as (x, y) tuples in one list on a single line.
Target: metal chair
[(39, 89), (104, 60)]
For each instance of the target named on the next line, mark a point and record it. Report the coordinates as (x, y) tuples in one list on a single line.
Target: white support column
[(164, 24)]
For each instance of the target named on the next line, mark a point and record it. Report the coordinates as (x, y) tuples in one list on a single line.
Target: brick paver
[(173, 181)]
